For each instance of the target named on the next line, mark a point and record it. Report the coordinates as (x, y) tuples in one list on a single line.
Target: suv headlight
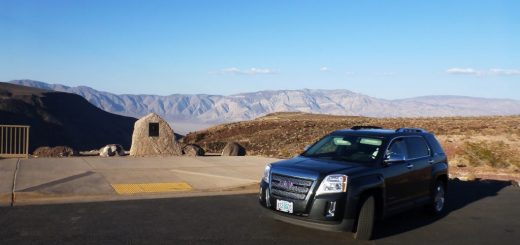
[(334, 183), (267, 173)]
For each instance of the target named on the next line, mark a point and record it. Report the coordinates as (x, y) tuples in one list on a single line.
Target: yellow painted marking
[(123, 189)]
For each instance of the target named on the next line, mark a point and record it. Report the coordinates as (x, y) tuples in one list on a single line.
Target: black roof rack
[(410, 130), (365, 127)]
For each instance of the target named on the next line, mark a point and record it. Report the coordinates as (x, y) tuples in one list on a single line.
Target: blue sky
[(387, 49)]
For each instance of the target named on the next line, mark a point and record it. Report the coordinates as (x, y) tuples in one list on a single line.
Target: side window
[(398, 147), (417, 147), (437, 148)]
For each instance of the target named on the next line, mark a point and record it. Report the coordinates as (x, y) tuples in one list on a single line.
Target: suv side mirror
[(394, 157)]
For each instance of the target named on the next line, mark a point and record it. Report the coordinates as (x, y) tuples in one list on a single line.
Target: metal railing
[(14, 141)]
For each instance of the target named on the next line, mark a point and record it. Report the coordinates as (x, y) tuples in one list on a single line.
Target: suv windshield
[(347, 148)]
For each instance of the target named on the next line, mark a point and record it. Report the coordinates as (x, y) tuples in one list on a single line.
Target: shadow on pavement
[(460, 194)]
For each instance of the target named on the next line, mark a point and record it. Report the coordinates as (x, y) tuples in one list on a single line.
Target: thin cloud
[(325, 69), (489, 72), (250, 71), (462, 71), (504, 72)]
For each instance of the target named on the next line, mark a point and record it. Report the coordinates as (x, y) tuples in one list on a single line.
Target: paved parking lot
[(478, 213), (44, 180)]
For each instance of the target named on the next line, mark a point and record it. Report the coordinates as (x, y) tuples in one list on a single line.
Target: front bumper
[(343, 225), (311, 212)]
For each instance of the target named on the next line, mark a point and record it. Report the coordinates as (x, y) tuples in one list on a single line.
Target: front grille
[(291, 187)]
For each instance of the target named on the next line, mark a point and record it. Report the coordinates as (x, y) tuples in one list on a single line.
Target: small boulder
[(112, 150), (57, 151), (233, 149), (467, 177), (193, 150)]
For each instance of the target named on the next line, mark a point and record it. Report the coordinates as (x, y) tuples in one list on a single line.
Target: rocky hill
[(479, 141), (58, 118), (200, 110)]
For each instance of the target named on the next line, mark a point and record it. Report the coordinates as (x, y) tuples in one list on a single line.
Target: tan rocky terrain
[(474, 145)]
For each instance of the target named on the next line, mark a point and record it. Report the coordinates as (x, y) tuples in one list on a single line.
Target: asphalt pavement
[(478, 212)]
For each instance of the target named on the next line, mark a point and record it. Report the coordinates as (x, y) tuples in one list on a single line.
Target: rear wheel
[(438, 198), (365, 222)]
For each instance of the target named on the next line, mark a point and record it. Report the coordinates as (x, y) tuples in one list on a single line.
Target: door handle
[(409, 166), (431, 161)]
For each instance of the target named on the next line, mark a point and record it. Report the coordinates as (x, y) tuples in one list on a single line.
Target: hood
[(317, 166)]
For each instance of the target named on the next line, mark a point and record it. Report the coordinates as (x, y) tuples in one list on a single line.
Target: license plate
[(284, 206)]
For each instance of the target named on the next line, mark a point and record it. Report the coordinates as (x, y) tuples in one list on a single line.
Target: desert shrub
[(285, 153), (494, 154), (452, 149), (199, 137), (214, 146)]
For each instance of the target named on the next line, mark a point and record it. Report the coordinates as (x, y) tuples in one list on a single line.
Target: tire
[(438, 204), (366, 218)]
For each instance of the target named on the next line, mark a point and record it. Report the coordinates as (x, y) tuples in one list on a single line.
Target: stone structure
[(153, 136), (193, 150), (112, 150), (233, 149)]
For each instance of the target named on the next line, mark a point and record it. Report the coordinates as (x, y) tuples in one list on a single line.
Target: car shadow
[(460, 194)]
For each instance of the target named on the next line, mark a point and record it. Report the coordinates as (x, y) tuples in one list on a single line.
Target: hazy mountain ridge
[(218, 108), (58, 118)]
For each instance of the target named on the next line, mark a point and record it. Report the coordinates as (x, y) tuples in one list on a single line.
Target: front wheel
[(365, 222), (438, 198)]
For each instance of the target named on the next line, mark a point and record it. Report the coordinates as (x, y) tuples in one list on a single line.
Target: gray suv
[(351, 178)]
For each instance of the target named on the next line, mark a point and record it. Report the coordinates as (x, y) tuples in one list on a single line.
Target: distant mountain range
[(201, 109)]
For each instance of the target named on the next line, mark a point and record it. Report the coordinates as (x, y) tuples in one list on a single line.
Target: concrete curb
[(5, 199)]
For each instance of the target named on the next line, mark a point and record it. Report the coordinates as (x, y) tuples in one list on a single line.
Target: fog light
[(331, 209), (267, 198)]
